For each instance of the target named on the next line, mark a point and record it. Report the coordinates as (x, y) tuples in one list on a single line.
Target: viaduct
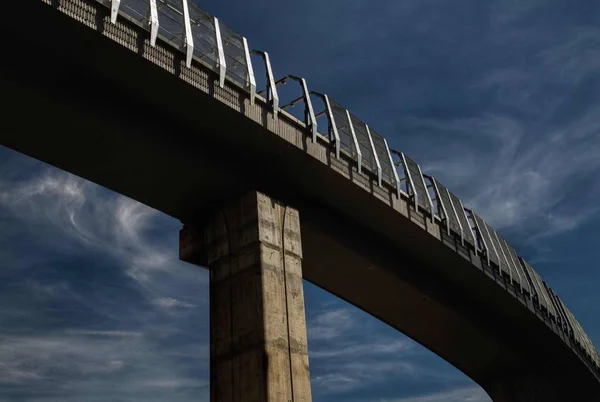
[(158, 100)]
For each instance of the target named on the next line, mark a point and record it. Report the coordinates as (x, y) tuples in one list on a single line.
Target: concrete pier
[(253, 250)]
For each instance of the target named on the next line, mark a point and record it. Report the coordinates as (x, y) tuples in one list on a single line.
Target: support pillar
[(258, 345)]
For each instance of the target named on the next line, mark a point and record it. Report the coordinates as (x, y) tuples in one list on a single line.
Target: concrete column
[(258, 345)]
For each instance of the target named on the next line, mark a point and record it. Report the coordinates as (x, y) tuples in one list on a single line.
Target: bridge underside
[(85, 104)]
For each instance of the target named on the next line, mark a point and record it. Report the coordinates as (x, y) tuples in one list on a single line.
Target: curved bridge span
[(158, 100)]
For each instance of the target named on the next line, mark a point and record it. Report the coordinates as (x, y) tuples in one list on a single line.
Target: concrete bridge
[(158, 100)]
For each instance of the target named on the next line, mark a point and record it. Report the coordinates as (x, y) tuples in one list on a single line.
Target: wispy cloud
[(95, 305), (124, 365), (90, 219)]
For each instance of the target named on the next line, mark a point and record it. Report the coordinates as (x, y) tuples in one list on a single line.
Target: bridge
[(161, 102)]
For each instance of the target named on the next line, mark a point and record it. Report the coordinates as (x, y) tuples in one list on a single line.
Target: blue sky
[(497, 99)]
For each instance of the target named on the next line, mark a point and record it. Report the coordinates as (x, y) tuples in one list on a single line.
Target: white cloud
[(329, 324), (90, 219), (512, 180), (386, 347), (140, 343)]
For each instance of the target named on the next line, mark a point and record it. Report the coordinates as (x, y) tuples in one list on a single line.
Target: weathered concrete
[(258, 340)]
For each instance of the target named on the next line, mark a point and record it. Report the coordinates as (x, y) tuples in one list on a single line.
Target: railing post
[(189, 40), (222, 61), (374, 151), (114, 10), (251, 78), (355, 140), (154, 23), (393, 165)]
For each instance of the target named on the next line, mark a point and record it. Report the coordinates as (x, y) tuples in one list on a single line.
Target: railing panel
[(518, 267), (360, 129), (417, 179), (233, 46), (343, 128), (481, 225), (171, 24), (384, 158), (205, 38), (452, 218), (139, 10)]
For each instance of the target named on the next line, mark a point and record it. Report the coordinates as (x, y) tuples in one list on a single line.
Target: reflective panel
[(451, 217), (205, 38), (485, 238), (437, 207), (374, 151), (561, 307), (139, 10), (512, 256), (332, 134), (559, 312), (497, 250), (171, 24), (360, 130), (393, 167), (462, 218), (417, 180), (343, 129), (536, 282), (384, 157), (577, 330)]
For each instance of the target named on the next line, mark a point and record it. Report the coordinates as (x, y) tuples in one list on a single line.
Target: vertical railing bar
[(114, 10), (154, 23), (441, 202), (410, 181), (222, 61), (510, 268), (358, 151), (273, 89), (336, 135), (272, 95), (251, 78), (515, 266), (462, 237), (387, 148), (426, 193), (311, 111), (189, 40), (374, 155), (485, 226), (481, 236)]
